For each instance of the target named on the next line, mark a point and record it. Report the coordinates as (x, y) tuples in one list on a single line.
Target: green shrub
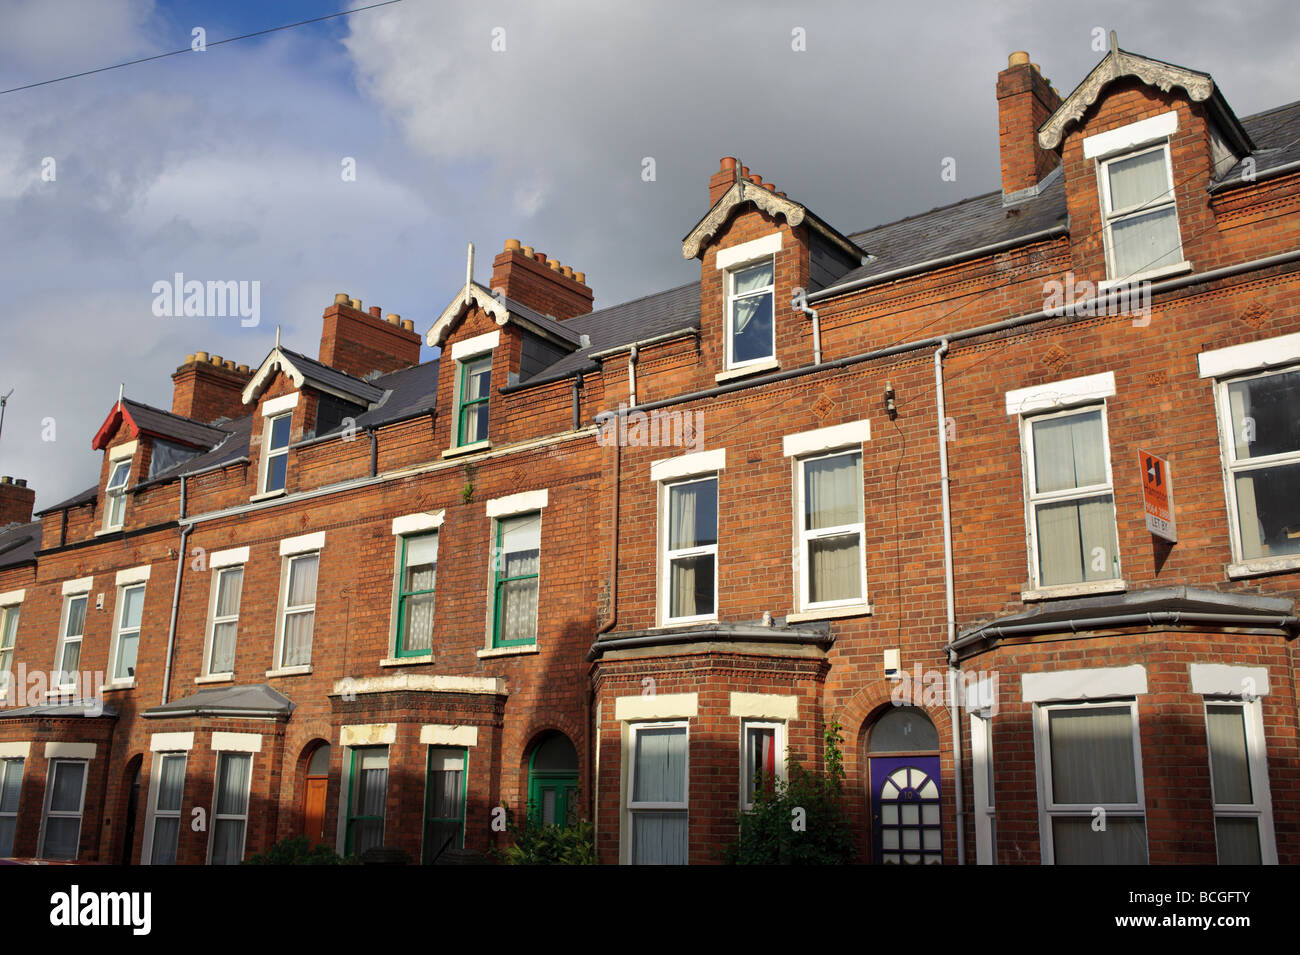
[(800, 820), (539, 844), (298, 850)]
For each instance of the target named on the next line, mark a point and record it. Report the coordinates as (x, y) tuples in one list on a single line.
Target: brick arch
[(856, 718), (293, 761), (532, 736)]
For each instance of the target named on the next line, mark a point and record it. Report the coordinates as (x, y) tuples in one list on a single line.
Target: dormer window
[(275, 452), (472, 404), (751, 334), (115, 495), (1141, 216)]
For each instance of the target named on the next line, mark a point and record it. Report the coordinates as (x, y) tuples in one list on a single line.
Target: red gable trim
[(115, 417)]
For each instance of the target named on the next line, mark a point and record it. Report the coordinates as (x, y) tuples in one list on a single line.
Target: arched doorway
[(903, 757), (132, 779), (553, 781), (315, 785)]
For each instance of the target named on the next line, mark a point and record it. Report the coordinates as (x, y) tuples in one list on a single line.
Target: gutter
[(1031, 318), (1289, 622), (689, 635), (1259, 176), (931, 264)]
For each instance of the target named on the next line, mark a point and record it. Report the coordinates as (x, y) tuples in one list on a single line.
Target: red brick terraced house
[(1009, 489)]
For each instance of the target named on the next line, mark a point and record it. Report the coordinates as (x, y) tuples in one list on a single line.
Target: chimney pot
[(393, 318), (744, 172), (216, 359), (1018, 58), (341, 298), (568, 271), (242, 369), (756, 179), (528, 251), (581, 277), (355, 303), (230, 364), (539, 256), (188, 358), (512, 245), (21, 482), (6, 479), (16, 500), (1025, 101), (201, 356), (728, 163), (375, 311), (408, 324), (553, 264), (769, 186)]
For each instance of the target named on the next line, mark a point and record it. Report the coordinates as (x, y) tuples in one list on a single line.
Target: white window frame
[(981, 746), (285, 610), (154, 813), (1232, 467), (268, 453), (1033, 500), (667, 556), (1261, 809), (1111, 216), (6, 766), (115, 494), (209, 645), (10, 615), (804, 537), (778, 743), (731, 296), (634, 807), (1047, 809), (118, 632), (47, 813), (64, 639), (216, 801)]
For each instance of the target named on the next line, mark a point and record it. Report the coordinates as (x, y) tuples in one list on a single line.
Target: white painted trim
[(1071, 685), (439, 734), (237, 742), (123, 451), (666, 706), (520, 503), (430, 683), (134, 575), (520, 650), (1061, 394), (274, 406), (228, 558), (984, 811), (15, 750), (753, 368), (12, 597), (472, 347), (827, 439), (292, 546), (688, 465), (368, 734), (828, 613), (1251, 356), (416, 523), (1141, 133), (70, 750), (171, 742), (81, 585), (764, 706), (1216, 679), (749, 251)]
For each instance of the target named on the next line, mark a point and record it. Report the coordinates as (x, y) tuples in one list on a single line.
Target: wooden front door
[(313, 815)]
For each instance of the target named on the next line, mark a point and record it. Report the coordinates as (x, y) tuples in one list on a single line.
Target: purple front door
[(905, 827)]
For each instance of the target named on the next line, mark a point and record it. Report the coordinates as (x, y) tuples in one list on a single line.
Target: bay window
[(64, 802), (657, 802), (230, 808), (168, 788), (366, 799)]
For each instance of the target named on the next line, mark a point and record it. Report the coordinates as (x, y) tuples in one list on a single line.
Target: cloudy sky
[(227, 164)]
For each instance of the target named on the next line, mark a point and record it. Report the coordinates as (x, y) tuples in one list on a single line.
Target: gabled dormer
[(1141, 141), (756, 246), (500, 336), (140, 441)]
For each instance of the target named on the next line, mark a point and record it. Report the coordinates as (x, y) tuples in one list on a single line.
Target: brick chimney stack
[(721, 180), (360, 342), (207, 387), (16, 501), (1025, 101), (542, 284)]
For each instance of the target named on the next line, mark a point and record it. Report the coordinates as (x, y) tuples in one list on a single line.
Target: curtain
[(832, 498), (659, 838), (421, 571), (446, 801), (1092, 756), (1139, 180), (165, 832), (1226, 733), (1238, 840), (1124, 841), (371, 791), (126, 650), (223, 648), (227, 841), (1252, 532), (1148, 240), (171, 783), (660, 765), (751, 317), (760, 758), (1069, 452), (232, 785), (521, 542), (692, 522), (298, 626), (11, 781)]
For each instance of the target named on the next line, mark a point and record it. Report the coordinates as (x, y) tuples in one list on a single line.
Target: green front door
[(552, 798)]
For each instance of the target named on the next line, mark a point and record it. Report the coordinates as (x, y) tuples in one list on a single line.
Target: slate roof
[(1276, 133), (409, 392), (171, 426), (332, 378), (85, 497), (233, 447), (257, 699), (19, 543), (619, 325)]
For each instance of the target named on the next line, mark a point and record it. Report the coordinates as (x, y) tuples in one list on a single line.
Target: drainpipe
[(950, 621), (374, 451), (631, 375), (176, 597), (577, 407), (593, 732), (802, 306)]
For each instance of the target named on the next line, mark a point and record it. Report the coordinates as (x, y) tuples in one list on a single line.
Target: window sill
[(290, 671), (1263, 565), (406, 661), (691, 622), (216, 678), (509, 651), (1165, 271), (467, 449), (117, 685), (827, 613), (105, 531), (767, 364), (1074, 590), (267, 495)]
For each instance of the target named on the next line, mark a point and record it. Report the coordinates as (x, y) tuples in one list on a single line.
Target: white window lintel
[(275, 406), (1142, 133), (748, 251), (473, 347), (171, 742), (688, 465), (70, 750), (81, 585), (302, 545), (520, 503), (661, 706), (417, 523), (228, 558), (1061, 394), (1216, 679), (1251, 356), (237, 742), (827, 439), (438, 734), (764, 706), (133, 575), (1070, 685)]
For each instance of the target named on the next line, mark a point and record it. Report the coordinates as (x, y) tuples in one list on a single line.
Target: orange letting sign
[(1157, 496)]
